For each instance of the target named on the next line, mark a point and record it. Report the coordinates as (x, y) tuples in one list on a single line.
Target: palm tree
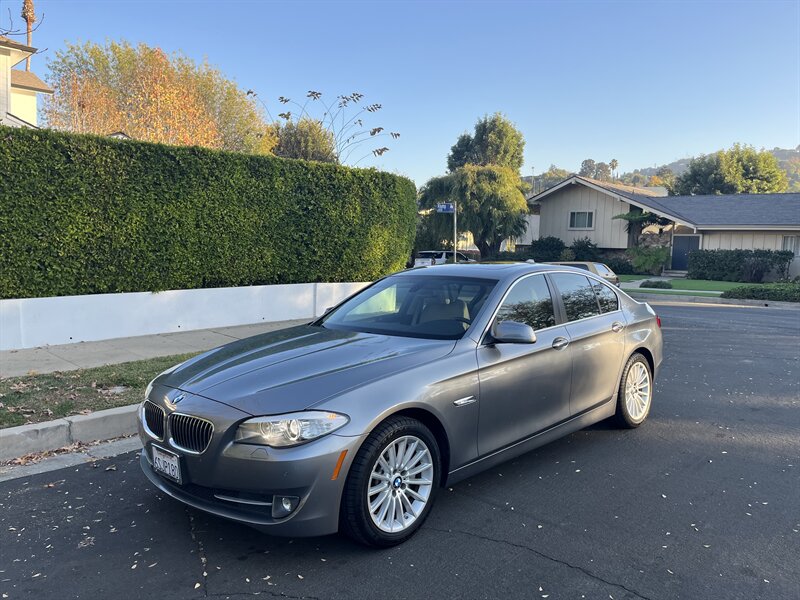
[(613, 164), (30, 18)]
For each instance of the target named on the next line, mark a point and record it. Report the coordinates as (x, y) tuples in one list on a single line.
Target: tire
[(355, 518), (631, 414)]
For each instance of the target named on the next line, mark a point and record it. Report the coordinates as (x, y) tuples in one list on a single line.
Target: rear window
[(602, 269), (577, 294), (606, 297)]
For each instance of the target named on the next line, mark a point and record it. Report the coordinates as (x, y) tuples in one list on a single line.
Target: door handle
[(616, 326), (560, 343)]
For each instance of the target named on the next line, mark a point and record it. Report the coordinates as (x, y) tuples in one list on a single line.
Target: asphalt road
[(703, 501)]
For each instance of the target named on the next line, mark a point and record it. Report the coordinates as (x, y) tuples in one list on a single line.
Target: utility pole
[(455, 230)]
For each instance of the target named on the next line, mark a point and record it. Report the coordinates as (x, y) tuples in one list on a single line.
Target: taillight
[(658, 321)]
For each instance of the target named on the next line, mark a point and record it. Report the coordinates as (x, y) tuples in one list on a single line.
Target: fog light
[(283, 506)]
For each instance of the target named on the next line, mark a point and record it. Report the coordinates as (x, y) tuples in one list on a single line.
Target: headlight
[(281, 431)]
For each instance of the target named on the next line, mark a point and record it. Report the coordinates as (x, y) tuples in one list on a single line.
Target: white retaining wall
[(31, 322)]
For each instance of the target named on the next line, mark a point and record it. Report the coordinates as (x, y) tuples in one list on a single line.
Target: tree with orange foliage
[(152, 96)]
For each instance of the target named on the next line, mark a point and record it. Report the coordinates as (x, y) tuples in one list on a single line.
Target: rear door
[(596, 328), (524, 388)]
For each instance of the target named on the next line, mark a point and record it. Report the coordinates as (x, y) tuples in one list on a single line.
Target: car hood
[(294, 369)]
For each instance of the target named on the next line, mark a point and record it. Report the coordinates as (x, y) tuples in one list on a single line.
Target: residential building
[(579, 207), (19, 89)]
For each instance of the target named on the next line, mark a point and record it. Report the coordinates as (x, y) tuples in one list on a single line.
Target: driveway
[(700, 502)]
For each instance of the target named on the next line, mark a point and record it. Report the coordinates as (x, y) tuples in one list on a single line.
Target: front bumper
[(236, 481)]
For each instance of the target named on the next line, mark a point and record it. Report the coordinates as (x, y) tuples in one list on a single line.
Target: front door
[(681, 246), (524, 388)]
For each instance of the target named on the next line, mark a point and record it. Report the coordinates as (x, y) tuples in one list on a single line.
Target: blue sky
[(642, 82)]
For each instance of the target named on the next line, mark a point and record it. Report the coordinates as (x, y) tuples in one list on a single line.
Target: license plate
[(167, 464)]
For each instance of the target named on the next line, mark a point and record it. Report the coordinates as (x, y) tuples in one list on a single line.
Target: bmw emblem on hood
[(178, 398)]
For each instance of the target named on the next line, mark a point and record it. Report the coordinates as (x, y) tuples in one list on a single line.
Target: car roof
[(496, 271), (574, 262)]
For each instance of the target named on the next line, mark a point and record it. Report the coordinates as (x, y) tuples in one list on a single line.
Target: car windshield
[(432, 307)]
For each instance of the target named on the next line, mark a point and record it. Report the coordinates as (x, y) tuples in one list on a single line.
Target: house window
[(792, 244), (581, 220)]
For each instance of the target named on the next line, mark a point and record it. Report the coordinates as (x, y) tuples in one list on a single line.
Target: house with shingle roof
[(19, 89), (579, 207)]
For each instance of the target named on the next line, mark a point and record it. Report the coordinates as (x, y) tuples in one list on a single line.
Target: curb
[(52, 435), (711, 300)]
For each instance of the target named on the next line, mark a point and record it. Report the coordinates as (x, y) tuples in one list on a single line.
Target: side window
[(529, 302), (577, 294), (606, 297)]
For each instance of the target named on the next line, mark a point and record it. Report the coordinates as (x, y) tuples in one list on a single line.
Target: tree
[(496, 141), (553, 176), (739, 170), (613, 164), (151, 96), (305, 138), (602, 172), (588, 168), (491, 203), (29, 16), (346, 131)]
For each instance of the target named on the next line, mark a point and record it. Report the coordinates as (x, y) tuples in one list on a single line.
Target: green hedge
[(747, 266), (786, 292), (84, 214), (657, 284)]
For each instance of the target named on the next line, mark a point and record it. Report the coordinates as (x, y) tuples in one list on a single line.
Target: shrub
[(567, 254), (656, 283), (84, 214), (649, 260), (546, 249), (749, 266), (785, 292), (620, 265), (585, 249)]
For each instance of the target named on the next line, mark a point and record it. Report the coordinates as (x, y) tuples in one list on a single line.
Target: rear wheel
[(392, 483), (635, 394)]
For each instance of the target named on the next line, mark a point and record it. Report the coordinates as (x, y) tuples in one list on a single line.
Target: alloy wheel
[(637, 391), (400, 484)]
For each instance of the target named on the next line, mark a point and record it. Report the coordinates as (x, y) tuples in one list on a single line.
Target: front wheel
[(392, 483), (635, 394)]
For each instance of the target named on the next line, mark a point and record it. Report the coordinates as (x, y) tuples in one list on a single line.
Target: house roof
[(19, 52), (15, 120), (9, 43), (720, 211), (29, 81), (728, 211)]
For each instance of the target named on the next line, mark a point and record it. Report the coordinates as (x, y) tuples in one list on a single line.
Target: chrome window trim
[(486, 329), (587, 274), (177, 446), (143, 420)]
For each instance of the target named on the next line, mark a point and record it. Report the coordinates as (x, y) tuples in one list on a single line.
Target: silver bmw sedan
[(354, 421)]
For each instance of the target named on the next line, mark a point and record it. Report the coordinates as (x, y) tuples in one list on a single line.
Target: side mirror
[(512, 332)]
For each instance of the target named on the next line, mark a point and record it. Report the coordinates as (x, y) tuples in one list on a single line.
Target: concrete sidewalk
[(68, 357)]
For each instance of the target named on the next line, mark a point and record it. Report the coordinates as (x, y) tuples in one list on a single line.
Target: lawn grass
[(37, 398), (700, 285), (706, 286)]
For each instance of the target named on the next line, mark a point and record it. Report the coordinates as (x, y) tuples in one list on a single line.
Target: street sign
[(446, 207)]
